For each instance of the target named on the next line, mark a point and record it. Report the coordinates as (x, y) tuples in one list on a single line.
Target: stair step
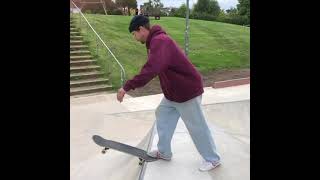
[(74, 33), (73, 42), (80, 52), (89, 89), (74, 30), (83, 68), (82, 63), (78, 47), (79, 58), (88, 82), (85, 75), (76, 37)]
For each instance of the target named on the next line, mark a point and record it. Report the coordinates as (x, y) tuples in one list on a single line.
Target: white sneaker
[(158, 155), (207, 166)]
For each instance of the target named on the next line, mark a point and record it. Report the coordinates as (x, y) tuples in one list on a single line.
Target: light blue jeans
[(167, 116)]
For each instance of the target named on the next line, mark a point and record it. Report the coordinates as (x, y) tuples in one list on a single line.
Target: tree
[(121, 4), (148, 7), (110, 5), (233, 16), (210, 7), (201, 6), (213, 8), (239, 15), (244, 10), (96, 6), (173, 11), (181, 12), (244, 7), (157, 4), (206, 10), (152, 8), (232, 11)]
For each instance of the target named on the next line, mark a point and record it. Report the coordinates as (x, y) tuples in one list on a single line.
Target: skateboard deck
[(108, 144)]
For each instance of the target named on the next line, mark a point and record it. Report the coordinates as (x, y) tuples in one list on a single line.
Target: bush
[(234, 19), (98, 11), (115, 12), (202, 16), (87, 11), (93, 11), (163, 14), (240, 20)]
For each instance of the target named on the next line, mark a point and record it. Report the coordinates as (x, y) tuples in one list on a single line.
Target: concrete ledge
[(232, 82)]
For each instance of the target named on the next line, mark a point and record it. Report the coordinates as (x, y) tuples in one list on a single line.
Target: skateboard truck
[(105, 150), (141, 161)]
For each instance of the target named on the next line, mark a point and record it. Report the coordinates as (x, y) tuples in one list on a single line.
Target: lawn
[(213, 45)]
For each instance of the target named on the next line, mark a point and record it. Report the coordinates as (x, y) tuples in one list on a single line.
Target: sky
[(224, 4)]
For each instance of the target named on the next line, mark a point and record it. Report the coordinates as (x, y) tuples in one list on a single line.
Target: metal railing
[(122, 72)]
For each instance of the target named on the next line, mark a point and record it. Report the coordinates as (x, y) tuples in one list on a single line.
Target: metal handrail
[(123, 73)]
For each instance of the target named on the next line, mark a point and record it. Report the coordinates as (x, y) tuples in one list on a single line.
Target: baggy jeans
[(167, 116)]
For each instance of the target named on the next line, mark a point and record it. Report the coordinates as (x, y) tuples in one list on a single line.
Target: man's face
[(139, 36)]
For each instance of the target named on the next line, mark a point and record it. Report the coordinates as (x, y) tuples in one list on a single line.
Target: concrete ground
[(227, 111)]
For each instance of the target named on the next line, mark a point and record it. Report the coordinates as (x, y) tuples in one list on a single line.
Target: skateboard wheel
[(141, 161), (104, 150)]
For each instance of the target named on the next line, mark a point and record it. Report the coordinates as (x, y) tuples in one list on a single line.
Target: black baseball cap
[(137, 21)]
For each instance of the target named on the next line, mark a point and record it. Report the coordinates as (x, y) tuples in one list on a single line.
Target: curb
[(232, 82)]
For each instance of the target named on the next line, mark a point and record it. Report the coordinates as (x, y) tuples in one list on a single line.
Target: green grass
[(213, 45)]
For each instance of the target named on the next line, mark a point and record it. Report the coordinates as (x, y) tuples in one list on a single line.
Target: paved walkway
[(228, 114)]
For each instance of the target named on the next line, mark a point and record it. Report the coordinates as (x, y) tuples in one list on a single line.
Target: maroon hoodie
[(179, 79)]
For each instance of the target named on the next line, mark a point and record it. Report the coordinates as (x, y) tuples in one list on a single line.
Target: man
[(182, 87)]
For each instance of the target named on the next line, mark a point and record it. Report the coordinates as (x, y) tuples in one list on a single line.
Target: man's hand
[(120, 95)]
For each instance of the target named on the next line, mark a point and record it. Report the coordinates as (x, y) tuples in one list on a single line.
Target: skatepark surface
[(227, 111)]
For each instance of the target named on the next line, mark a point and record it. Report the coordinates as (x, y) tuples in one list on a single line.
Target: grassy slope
[(213, 45)]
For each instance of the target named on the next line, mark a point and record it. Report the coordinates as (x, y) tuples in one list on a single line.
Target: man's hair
[(137, 21)]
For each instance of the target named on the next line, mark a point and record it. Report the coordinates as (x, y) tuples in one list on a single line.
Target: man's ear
[(141, 27)]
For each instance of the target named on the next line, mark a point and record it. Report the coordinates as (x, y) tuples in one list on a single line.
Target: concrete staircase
[(85, 74)]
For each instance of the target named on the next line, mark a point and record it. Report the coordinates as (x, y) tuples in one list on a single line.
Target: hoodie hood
[(154, 31)]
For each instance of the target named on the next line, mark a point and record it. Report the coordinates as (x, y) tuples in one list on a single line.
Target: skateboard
[(108, 144)]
